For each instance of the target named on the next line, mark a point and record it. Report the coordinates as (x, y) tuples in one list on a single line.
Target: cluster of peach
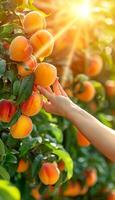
[(26, 52), (49, 174), (72, 189)]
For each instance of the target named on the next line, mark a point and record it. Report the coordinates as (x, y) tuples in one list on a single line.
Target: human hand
[(58, 102)]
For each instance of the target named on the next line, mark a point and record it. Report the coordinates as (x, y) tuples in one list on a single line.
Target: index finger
[(46, 93)]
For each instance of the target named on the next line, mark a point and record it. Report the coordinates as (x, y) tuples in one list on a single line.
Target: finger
[(49, 89), (61, 89), (46, 93), (56, 88)]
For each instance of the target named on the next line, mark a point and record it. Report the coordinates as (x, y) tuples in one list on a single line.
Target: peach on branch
[(87, 93), (45, 74), (7, 110), (110, 88), (22, 166), (49, 173), (95, 66), (73, 189), (22, 128), (20, 49), (27, 67), (91, 177), (33, 22), (33, 105), (42, 42), (82, 140)]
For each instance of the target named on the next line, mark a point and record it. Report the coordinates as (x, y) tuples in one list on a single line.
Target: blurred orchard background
[(44, 156)]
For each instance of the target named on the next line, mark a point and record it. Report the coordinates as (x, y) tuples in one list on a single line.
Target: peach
[(22, 166), (91, 177), (27, 67), (82, 140), (22, 128), (95, 66), (49, 173), (110, 88), (32, 105), (7, 110), (42, 42), (35, 193), (88, 92), (73, 189), (20, 49), (33, 22), (45, 74)]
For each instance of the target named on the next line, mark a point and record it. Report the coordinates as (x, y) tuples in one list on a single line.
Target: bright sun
[(81, 11)]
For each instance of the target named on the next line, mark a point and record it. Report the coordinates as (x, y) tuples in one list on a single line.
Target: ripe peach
[(111, 195), (82, 140), (33, 22), (88, 92), (73, 189), (110, 88), (35, 193), (20, 49), (91, 177), (7, 110), (42, 42), (45, 74), (22, 166), (33, 105), (95, 66), (49, 173), (27, 67), (22, 128)]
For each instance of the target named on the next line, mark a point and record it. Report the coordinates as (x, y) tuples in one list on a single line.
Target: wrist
[(72, 110)]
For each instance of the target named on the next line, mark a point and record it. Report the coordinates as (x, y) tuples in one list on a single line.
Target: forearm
[(102, 137)]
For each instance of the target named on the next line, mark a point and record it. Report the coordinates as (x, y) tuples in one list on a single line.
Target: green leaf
[(16, 87), (100, 93), (63, 155), (11, 76), (2, 150), (43, 189), (4, 174), (28, 144), (6, 30), (53, 129), (25, 89), (10, 158), (105, 119), (36, 164), (8, 192), (2, 66)]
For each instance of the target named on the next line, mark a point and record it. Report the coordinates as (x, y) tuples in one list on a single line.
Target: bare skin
[(102, 137)]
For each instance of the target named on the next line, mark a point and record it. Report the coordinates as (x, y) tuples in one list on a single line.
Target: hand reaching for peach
[(58, 102)]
